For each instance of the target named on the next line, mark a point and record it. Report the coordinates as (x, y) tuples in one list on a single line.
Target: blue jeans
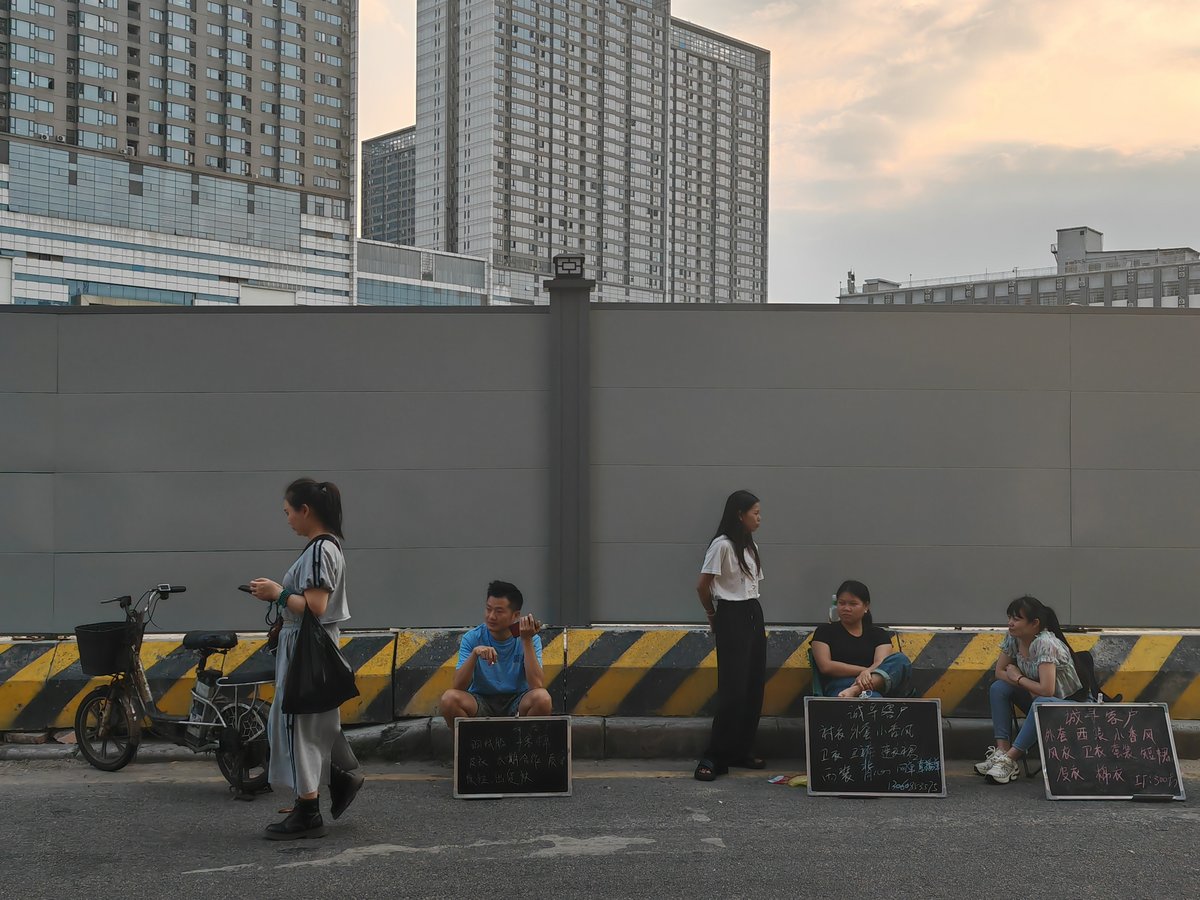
[(1004, 696), (895, 671)]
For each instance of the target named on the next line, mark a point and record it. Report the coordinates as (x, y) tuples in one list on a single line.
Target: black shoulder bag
[(319, 678), (274, 618)]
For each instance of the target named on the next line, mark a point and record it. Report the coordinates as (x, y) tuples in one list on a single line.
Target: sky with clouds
[(930, 138)]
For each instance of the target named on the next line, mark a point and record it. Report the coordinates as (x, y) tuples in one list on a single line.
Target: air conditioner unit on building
[(62, 139), (43, 137)]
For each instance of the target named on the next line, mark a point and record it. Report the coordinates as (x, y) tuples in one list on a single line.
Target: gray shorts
[(498, 705)]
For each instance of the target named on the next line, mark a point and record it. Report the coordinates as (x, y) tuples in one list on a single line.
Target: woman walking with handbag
[(309, 749), (728, 590)]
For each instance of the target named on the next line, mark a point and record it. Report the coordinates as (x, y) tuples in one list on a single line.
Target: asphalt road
[(630, 830)]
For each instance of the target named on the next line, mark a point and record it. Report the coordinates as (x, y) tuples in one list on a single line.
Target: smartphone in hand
[(244, 587), (515, 627)]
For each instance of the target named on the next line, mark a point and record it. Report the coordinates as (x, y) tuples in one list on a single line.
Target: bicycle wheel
[(244, 755), (105, 729)]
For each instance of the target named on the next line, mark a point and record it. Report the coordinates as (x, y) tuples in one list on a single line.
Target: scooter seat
[(210, 640), (253, 676)]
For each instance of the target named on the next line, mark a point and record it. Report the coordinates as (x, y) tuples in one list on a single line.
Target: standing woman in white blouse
[(728, 591)]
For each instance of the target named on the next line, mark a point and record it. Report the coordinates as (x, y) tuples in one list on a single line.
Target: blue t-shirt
[(507, 676)]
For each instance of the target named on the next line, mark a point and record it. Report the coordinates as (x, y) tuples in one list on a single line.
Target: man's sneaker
[(1004, 769), (981, 768)]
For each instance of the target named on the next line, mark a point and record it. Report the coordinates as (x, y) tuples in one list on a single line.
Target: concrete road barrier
[(602, 672), (41, 683), (672, 671)]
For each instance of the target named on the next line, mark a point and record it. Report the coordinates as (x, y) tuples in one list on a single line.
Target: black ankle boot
[(304, 821), (343, 786)]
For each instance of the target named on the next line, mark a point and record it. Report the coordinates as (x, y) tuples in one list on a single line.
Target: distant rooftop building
[(1085, 274), (389, 187)]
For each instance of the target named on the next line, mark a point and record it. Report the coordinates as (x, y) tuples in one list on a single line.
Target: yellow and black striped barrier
[(601, 672), (25, 669), (41, 683), (672, 671)]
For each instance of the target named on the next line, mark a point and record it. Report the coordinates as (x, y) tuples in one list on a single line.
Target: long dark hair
[(738, 503), (859, 590), (1031, 608), (322, 497)]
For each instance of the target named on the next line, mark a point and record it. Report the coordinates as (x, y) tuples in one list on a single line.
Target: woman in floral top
[(1035, 666)]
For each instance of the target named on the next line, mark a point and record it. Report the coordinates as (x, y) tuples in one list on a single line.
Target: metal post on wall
[(570, 448)]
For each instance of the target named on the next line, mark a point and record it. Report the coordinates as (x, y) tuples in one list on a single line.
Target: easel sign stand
[(1108, 751), (512, 757)]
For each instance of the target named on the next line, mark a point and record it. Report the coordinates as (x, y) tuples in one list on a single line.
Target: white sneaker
[(981, 768), (1003, 770)]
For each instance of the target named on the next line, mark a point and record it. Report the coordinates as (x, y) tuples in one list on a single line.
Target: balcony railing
[(999, 275)]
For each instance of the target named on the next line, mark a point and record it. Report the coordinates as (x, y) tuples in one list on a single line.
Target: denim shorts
[(497, 705)]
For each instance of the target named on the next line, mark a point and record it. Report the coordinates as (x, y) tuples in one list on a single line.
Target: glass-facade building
[(389, 179), (177, 151), (81, 227), (392, 275), (545, 126)]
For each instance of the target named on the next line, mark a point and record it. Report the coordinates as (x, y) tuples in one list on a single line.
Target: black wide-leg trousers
[(741, 678)]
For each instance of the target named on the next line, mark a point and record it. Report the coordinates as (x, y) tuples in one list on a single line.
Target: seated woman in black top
[(853, 655)]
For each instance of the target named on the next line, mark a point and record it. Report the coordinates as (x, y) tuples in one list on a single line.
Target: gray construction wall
[(950, 458), (148, 446)]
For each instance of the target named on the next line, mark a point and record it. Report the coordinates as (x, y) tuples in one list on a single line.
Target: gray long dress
[(302, 746)]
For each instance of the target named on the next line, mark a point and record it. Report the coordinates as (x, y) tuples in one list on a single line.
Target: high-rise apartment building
[(720, 156), (389, 180), (178, 151), (545, 126), (259, 90)]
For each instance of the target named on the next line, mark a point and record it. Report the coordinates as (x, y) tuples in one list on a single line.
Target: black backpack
[(1085, 667)]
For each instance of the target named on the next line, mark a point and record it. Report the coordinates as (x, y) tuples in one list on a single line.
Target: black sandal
[(707, 770), (751, 762)]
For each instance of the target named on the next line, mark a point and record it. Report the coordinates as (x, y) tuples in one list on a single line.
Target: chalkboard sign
[(512, 757), (874, 748), (1108, 751)]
